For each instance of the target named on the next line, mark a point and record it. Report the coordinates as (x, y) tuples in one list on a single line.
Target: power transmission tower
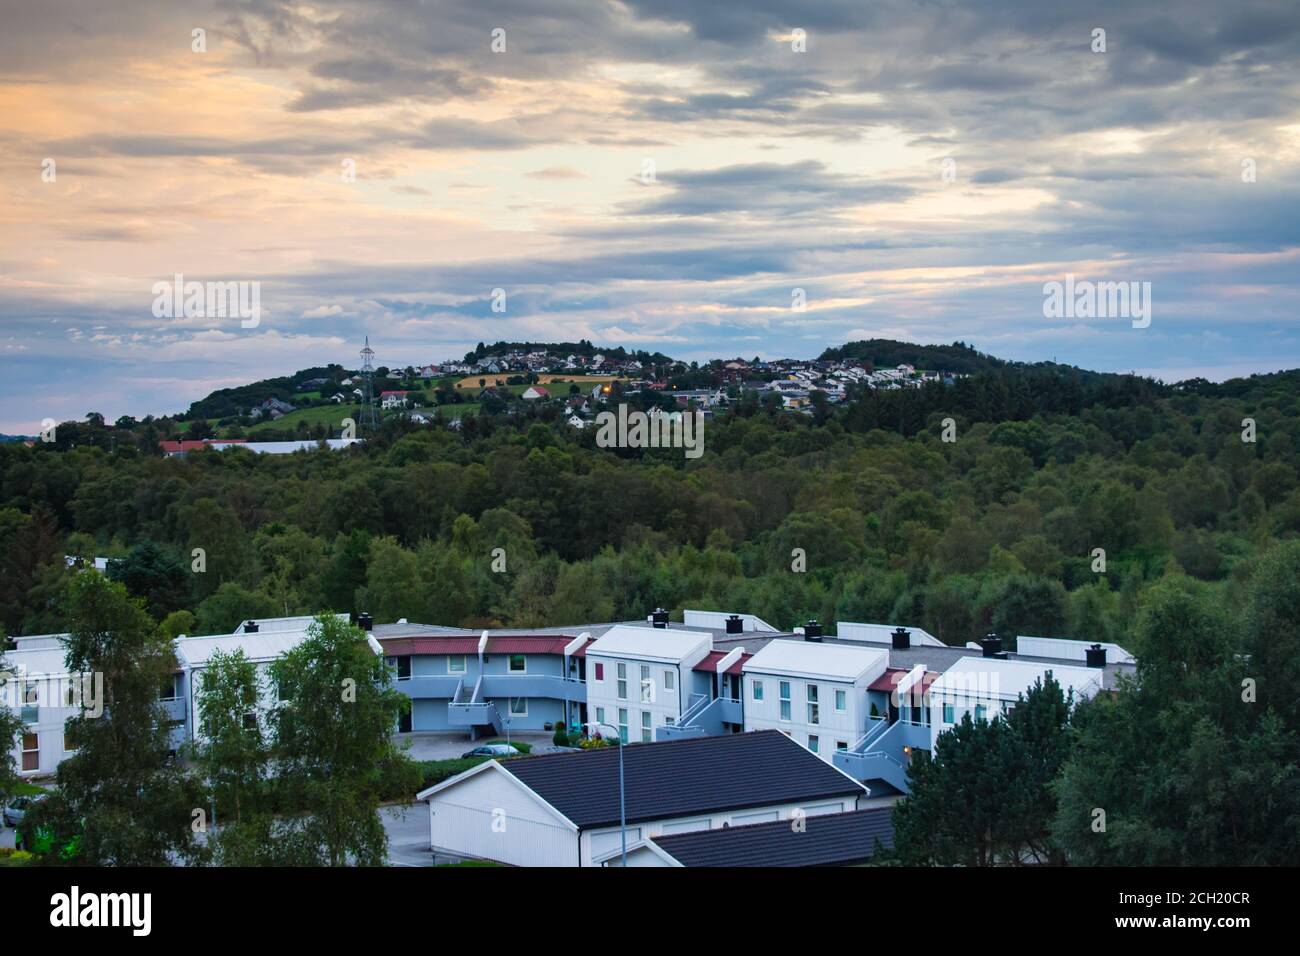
[(369, 415)]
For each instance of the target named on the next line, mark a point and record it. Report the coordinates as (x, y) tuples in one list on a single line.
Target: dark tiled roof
[(681, 777), (827, 840)]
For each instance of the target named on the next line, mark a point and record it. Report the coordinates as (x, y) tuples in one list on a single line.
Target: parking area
[(448, 746)]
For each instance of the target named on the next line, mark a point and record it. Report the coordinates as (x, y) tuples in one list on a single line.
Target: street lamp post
[(622, 791)]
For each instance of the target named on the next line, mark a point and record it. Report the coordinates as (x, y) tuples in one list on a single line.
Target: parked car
[(492, 750), (17, 808)]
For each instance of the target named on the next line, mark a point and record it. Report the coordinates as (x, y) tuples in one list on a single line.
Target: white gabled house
[(564, 809)]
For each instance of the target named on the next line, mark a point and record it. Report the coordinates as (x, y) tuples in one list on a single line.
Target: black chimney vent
[(659, 618), (1096, 656), (812, 631), (735, 625), (992, 645), (250, 627), (365, 621), (901, 639)]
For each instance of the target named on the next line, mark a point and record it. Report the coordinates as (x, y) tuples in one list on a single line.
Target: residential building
[(815, 693), (481, 683), (986, 687), (564, 809), (639, 678)]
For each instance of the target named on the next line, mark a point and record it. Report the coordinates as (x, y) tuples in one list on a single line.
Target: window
[(841, 701), (841, 745), (647, 686), (670, 680), (250, 720), (402, 665), (979, 711), (455, 663), (758, 690), (171, 688), (947, 714), (600, 715), (785, 700), (518, 664), (814, 709), (31, 752), (69, 741), (670, 721), (646, 736), (518, 706), (622, 724), (813, 742), (600, 671), (404, 722), (622, 681)]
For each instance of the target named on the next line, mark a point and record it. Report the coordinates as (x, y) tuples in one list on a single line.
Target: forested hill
[(887, 353), (239, 399)]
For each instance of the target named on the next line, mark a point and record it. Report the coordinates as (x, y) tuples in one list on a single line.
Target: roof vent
[(901, 639), (735, 625), (365, 621), (250, 627), (812, 631), (991, 645), (1096, 655), (659, 618)]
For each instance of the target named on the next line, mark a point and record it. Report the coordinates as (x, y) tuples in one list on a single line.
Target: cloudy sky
[(652, 173)]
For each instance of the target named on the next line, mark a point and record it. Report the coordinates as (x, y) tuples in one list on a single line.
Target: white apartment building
[(35, 682), (813, 692), (638, 677), (985, 687)]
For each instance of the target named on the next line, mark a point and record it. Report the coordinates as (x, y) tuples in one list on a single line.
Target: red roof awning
[(709, 663)]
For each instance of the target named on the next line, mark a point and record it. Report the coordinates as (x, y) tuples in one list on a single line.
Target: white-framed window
[(670, 721), (647, 685), (402, 665), (814, 708), (756, 690), (785, 699), (948, 714), (814, 742), (621, 670), (622, 724), (599, 671), (980, 711), (841, 701), (68, 745), (518, 664), (646, 735), (31, 751), (600, 715), (670, 680), (518, 706), (455, 663), (841, 745)]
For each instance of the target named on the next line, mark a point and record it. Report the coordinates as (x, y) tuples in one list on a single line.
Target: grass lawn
[(331, 415), (24, 789)]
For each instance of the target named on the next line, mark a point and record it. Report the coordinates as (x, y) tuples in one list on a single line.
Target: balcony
[(704, 718), (496, 686), (880, 754)]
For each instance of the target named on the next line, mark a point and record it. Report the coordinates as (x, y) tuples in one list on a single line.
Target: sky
[(659, 175)]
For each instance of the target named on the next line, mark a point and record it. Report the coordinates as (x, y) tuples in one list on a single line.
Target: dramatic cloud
[(660, 173)]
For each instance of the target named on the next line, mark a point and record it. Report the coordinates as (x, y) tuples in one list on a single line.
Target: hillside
[(888, 353)]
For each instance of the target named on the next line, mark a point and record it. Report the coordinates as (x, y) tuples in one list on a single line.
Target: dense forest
[(860, 511)]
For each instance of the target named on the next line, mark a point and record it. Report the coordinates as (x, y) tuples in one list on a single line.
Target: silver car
[(16, 809), (491, 750)]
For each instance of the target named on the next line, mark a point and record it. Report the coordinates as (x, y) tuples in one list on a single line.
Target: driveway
[(444, 746)]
